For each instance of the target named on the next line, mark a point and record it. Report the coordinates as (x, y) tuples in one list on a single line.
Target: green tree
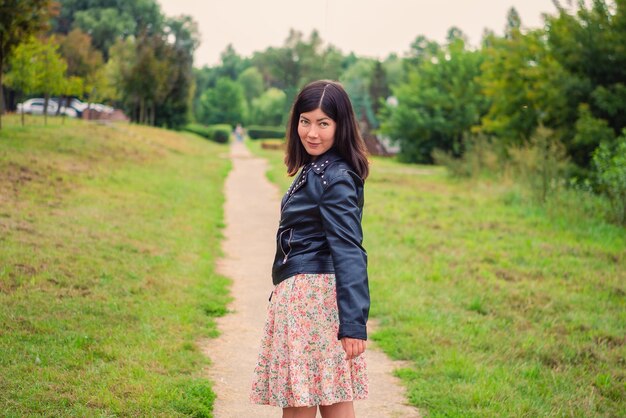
[(525, 85), (23, 76), (440, 101), (268, 108), (357, 81), (51, 68), (589, 45), (107, 21), (379, 88), (18, 20), (225, 103), (251, 81)]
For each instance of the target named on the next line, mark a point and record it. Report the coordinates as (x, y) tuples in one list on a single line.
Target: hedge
[(256, 132), (217, 133)]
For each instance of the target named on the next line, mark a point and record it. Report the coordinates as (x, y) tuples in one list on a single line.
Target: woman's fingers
[(353, 347)]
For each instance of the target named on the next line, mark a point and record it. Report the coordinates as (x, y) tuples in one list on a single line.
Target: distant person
[(312, 351), (239, 133)]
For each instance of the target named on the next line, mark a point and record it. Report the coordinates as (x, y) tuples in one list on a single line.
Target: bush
[(479, 158), (609, 162), (217, 133), (541, 163), (256, 132)]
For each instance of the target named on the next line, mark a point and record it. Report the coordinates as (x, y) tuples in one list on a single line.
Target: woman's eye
[(304, 122), (324, 124)]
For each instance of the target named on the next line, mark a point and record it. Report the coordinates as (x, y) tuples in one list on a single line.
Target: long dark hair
[(332, 99)]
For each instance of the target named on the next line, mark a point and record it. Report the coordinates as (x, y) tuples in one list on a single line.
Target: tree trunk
[(142, 111)]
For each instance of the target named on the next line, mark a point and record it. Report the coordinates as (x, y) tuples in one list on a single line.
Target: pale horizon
[(369, 28)]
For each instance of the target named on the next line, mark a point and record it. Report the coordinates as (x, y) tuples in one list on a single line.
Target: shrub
[(609, 162), (479, 158), (541, 163), (217, 133), (256, 132)]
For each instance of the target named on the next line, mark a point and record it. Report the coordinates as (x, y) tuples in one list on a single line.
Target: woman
[(315, 335)]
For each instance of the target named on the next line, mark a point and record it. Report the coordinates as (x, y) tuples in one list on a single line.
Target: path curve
[(251, 214)]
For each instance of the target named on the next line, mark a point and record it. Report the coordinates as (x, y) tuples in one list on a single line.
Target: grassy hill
[(108, 235), (504, 309)]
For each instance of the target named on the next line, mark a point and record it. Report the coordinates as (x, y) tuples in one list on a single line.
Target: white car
[(35, 107)]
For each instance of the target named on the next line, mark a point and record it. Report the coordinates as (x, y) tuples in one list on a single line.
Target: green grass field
[(108, 237), (503, 309)]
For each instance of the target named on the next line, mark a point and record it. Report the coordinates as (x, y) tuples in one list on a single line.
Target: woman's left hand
[(353, 347)]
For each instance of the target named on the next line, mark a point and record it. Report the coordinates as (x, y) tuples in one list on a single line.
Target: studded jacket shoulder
[(320, 232)]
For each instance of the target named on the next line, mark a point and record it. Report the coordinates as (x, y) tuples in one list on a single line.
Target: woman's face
[(317, 132)]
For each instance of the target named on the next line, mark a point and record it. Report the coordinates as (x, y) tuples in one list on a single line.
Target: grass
[(503, 308), (108, 238)]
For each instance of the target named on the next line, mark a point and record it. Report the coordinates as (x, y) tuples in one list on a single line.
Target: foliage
[(541, 163), (153, 74), (479, 158), (524, 84), (223, 104), (36, 67), (108, 21), (609, 161), (251, 81), (589, 45), (19, 19), (268, 108), (257, 132), (83, 60), (356, 79), (440, 101), (217, 133)]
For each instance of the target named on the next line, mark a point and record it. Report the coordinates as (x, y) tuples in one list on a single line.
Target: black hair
[(332, 99)]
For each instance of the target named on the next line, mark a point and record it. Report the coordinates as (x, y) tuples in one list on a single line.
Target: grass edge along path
[(503, 309), (108, 238)]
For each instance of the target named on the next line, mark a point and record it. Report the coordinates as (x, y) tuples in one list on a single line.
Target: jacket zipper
[(280, 240)]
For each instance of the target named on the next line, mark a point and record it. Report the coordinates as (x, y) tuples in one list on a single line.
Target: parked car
[(74, 103), (36, 106)]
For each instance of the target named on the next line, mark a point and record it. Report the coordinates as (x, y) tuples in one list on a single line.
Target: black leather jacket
[(320, 232)]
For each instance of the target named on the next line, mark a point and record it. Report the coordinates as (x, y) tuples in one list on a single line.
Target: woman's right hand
[(353, 347)]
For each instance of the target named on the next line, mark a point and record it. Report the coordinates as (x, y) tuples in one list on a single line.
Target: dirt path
[(251, 215)]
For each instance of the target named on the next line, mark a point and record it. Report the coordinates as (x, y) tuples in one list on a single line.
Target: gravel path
[(251, 215)]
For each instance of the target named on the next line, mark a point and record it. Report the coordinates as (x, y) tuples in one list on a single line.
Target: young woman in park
[(312, 351)]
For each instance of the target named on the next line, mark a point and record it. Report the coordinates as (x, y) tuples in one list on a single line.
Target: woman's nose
[(313, 132)]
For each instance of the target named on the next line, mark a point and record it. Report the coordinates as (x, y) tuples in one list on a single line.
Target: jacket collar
[(324, 160)]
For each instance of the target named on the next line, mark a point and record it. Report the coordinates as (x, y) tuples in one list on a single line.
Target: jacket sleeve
[(341, 219)]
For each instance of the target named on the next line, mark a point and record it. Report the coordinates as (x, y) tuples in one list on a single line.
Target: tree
[(107, 21), (267, 109), (251, 81), (589, 45), (23, 76), (356, 80), (525, 85), (18, 20), (439, 103), (223, 104), (379, 88), (51, 68), (83, 63)]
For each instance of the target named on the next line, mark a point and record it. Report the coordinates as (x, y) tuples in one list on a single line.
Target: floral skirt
[(301, 361)]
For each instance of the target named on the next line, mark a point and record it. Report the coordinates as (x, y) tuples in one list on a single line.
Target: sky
[(370, 28)]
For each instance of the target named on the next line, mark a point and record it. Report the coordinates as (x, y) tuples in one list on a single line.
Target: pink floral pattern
[(301, 361)]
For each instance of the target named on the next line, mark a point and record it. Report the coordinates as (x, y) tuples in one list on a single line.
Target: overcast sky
[(372, 28)]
